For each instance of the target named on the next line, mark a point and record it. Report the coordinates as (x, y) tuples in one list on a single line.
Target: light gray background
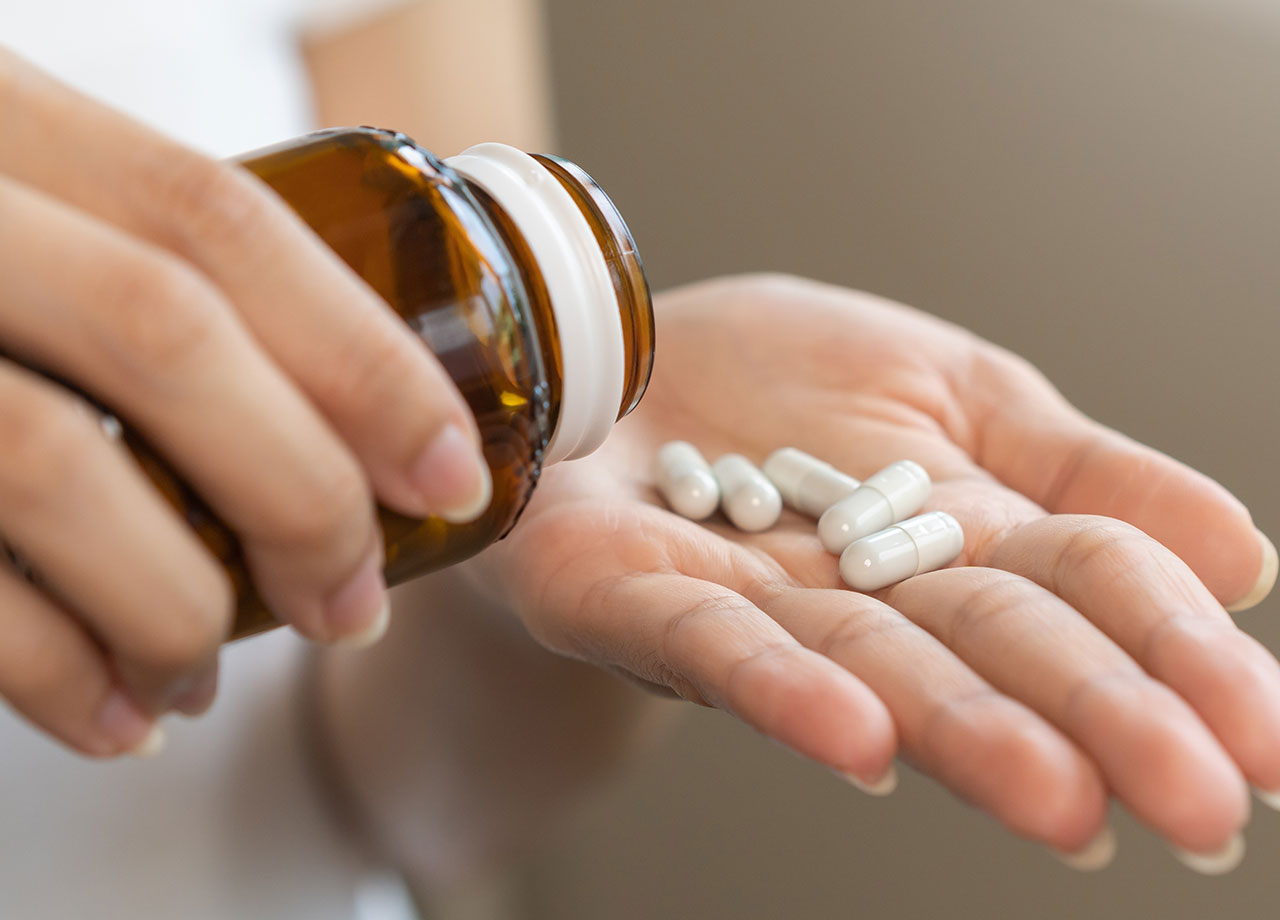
[(1092, 183)]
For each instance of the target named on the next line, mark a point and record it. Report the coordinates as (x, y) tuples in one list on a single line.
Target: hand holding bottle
[(183, 294)]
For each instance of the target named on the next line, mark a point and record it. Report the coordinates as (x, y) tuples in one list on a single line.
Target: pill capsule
[(891, 495), (747, 497), (684, 479), (807, 484), (919, 544)]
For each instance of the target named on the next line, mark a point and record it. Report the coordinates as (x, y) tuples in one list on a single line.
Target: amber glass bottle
[(515, 270)]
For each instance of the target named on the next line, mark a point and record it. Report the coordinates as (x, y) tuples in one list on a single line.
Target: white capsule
[(891, 495), (807, 484), (684, 478), (747, 497), (920, 544)]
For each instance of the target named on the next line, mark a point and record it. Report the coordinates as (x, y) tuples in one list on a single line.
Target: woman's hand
[(183, 294), (1078, 649)]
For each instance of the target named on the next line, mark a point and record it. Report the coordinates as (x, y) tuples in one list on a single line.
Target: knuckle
[(158, 315), (1162, 738), (1098, 547), (1172, 629), (842, 641), (991, 600), (373, 367), (188, 630), (45, 440), (1110, 688), (46, 673), (672, 644), (988, 545), (962, 721), (1038, 794), (320, 506), (770, 660), (207, 201)]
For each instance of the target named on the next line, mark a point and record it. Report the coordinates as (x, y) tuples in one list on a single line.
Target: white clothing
[(226, 823)]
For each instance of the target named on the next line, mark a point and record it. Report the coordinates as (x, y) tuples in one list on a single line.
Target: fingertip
[(1217, 861), (356, 613), (125, 729), (149, 746), (1025, 773), (1166, 766), (371, 634), (824, 713), (1266, 580), (879, 786), (452, 477), (1269, 797), (1201, 814), (1097, 854), (199, 694), (1233, 683)]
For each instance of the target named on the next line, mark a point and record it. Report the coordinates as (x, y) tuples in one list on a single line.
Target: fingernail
[(1266, 578), (452, 477), (151, 745), (1216, 863), (197, 693), (375, 631), (131, 730), (1269, 798), (1094, 855), (357, 608), (881, 787)]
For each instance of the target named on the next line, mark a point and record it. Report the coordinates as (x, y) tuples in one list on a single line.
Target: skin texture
[(1077, 650), (183, 294), (1014, 677)]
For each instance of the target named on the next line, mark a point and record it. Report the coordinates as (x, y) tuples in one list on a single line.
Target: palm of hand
[(1064, 658)]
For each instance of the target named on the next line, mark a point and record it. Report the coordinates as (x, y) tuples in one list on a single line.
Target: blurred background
[(1091, 183)]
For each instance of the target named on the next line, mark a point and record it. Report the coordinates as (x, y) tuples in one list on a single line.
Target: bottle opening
[(594, 281), (635, 304)]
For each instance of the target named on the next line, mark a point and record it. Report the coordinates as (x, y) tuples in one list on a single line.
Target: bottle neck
[(594, 280)]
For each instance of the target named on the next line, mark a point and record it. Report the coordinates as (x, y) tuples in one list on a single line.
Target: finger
[(1035, 442), (1133, 589), (1153, 750), (53, 673), (712, 646), (1152, 605), (197, 698), (360, 364), (81, 513), (984, 746), (151, 338)]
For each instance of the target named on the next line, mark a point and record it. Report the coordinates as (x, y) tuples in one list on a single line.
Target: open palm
[(1078, 649)]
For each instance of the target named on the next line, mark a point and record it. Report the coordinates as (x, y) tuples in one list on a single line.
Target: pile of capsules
[(869, 525)]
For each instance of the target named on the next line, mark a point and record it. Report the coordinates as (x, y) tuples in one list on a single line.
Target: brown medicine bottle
[(515, 270)]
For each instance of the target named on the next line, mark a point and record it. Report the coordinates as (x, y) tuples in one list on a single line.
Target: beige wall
[(1090, 182)]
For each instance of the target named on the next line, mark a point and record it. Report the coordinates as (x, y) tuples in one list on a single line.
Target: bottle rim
[(579, 286), (626, 269)]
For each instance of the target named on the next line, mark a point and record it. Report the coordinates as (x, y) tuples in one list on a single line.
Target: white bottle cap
[(578, 284)]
